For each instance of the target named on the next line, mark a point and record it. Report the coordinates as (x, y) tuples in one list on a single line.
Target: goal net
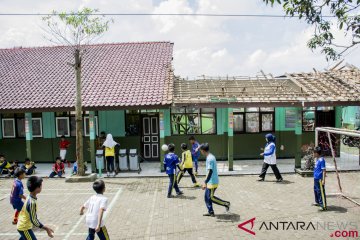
[(341, 149)]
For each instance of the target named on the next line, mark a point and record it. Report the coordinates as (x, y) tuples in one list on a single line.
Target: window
[(319, 116), (37, 127), (290, 118), (132, 122), (308, 119), (193, 121), (8, 128), (253, 120), (62, 127), (87, 127), (20, 127)]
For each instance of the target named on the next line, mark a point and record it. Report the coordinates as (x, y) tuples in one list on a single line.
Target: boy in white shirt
[(96, 206)]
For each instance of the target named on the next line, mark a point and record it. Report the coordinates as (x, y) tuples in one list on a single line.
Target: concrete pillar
[(230, 139), (92, 130), (162, 137), (28, 133), (298, 135)]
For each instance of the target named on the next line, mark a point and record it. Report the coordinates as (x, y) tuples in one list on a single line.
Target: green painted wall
[(220, 121), (167, 122), (351, 116), (112, 122), (48, 121)]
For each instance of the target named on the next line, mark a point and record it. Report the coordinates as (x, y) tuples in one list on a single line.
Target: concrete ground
[(138, 209)]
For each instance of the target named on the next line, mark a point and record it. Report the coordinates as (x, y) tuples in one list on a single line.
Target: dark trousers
[(102, 234), (181, 174), (210, 199), (53, 174), (173, 184), (27, 235), (110, 163), (273, 167), (196, 164), (319, 192)]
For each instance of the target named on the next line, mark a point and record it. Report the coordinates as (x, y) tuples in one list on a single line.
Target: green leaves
[(318, 13), (76, 28)]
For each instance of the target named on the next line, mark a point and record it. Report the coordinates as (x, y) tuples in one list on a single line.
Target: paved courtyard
[(138, 208)]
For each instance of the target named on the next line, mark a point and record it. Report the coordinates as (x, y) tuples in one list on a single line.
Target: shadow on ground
[(336, 209), (228, 217)]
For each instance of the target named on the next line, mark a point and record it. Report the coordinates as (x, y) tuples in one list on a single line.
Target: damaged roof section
[(333, 87)]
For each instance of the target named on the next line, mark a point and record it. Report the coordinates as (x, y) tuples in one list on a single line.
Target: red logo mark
[(241, 226)]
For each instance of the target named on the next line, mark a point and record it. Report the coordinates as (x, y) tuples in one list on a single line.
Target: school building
[(130, 90)]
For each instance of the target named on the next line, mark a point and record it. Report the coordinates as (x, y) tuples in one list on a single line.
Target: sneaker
[(114, 174), (322, 209), (261, 180), (279, 180), (196, 173), (179, 193), (315, 204), (227, 207), (196, 185), (169, 196), (108, 174), (209, 215)]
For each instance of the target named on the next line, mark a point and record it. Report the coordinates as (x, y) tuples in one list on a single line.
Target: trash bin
[(100, 159), (133, 160), (123, 160)]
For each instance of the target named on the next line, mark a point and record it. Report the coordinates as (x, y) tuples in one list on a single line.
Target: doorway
[(150, 139)]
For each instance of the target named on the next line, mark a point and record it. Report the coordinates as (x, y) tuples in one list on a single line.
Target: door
[(327, 119), (150, 137)]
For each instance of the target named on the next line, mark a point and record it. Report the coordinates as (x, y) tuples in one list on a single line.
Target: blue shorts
[(18, 206)]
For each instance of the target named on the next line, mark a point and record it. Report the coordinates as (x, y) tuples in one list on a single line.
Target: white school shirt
[(270, 159), (93, 205)]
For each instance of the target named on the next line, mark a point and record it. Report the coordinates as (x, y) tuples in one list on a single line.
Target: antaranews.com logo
[(338, 229)]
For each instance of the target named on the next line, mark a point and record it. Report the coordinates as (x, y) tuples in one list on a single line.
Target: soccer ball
[(164, 147)]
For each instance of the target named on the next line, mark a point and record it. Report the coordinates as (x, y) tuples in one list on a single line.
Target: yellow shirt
[(109, 152), (28, 216), (186, 160)]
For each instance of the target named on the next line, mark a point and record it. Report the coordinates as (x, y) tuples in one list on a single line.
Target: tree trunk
[(78, 116)]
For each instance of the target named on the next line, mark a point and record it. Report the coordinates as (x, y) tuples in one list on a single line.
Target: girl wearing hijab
[(109, 146), (269, 158)]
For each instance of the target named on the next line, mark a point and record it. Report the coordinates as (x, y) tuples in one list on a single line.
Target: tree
[(77, 30), (320, 14)]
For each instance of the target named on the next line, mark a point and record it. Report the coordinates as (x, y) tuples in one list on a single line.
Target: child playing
[(4, 165), (29, 167), (57, 169), (64, 145), (211, 182), (186, 165), (171, 161), (269, 155), (109, 145), (319, 179), (28, 216), (13, 167), (195, 153), (17, 193), (75, 168), (96, 206)]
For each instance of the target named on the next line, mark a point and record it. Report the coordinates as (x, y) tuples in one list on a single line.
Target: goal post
[(329, 133)]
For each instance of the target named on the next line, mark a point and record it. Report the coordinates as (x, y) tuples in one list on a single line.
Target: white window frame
[(41, 126), (68, 126), (2, 124), (96, 126)]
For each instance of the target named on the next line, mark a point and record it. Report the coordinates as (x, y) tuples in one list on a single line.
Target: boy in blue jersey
[(211, 182), (17, 193), (319, 179), (28, 217), (195, 153), (171, 161)]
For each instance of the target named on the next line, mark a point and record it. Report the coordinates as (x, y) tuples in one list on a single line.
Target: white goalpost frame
[(328, 130)]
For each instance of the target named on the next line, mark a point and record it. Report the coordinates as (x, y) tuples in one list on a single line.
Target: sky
[(212, 46)]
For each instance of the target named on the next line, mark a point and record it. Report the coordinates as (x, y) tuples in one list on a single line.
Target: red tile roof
[(121, 75)]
